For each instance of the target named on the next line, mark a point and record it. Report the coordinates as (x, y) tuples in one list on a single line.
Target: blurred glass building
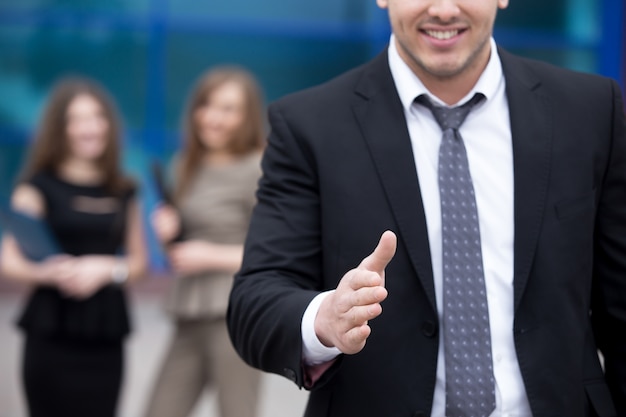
[(148, 53)]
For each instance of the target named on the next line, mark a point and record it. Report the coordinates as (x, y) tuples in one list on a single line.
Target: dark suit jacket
[(339, 170)]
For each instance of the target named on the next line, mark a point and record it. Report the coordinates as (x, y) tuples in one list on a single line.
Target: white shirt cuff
[(313, 351)]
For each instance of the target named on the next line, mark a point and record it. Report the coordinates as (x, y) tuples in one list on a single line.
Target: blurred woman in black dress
[(75, 319)]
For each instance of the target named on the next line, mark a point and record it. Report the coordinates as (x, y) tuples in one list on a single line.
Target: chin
[(90, 155), (444, 70), (216, 145)]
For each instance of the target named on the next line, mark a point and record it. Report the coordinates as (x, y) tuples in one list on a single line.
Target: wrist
[(43, 275), (320, 324), (314, 351), (119, 273)]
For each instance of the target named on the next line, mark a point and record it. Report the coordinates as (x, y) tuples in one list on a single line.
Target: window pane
[(35, 56), (322, 10), (48, 6), (282, 64), (577, 18), (577, 59)]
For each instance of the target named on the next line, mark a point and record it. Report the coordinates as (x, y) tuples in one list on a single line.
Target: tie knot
[(449, 118)]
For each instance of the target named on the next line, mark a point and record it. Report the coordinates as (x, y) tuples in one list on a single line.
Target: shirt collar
[(409, 86)]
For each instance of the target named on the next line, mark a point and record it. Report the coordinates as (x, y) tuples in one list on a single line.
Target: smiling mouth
[(443, 34)]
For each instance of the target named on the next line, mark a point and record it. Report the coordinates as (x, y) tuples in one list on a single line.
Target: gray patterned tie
[(470, 387)]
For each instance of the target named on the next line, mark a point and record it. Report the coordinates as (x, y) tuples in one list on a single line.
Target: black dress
[(73, 355)]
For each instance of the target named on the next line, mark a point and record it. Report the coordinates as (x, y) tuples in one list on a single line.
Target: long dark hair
[(51, 147), (250, 136)]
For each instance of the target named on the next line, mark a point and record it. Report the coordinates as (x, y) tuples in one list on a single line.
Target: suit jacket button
[(429, 329), (290, 374)]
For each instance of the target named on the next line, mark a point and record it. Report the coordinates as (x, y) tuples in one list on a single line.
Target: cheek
[(235, 122), (73, 130), (197, 118), (103, 127), (236, 119)]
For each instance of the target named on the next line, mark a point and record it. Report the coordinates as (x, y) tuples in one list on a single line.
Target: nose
[(92, 124), (444, 10)]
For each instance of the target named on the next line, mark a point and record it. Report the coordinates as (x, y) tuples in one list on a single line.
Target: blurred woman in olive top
[(75, 318), (216, 177)]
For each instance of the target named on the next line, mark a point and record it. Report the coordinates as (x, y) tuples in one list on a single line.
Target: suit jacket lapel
[(531, 128), (380, 115)]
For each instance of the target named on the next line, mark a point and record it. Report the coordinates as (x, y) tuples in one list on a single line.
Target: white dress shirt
[(486, 134)]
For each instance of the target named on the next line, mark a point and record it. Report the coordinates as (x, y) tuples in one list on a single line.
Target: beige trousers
[(201, 357)]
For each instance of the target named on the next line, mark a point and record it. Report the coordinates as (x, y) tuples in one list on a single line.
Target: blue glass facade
[(148, 53)]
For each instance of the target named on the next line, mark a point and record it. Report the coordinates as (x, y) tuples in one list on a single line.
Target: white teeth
[(442, 34)]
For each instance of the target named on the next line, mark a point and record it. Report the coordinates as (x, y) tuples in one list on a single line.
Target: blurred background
[(148, 53)]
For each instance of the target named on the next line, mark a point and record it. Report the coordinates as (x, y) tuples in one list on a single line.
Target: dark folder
[(32, 234), (163, 191)]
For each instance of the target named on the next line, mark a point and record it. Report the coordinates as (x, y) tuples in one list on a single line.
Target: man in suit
[(371, 332)]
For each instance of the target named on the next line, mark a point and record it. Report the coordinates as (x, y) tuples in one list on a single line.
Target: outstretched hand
[(342, 320)]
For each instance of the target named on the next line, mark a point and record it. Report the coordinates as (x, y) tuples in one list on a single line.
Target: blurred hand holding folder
[(164, 194), (160, 182), (32, 234)]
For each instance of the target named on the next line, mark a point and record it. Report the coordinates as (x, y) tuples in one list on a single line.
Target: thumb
[(377, 261)]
